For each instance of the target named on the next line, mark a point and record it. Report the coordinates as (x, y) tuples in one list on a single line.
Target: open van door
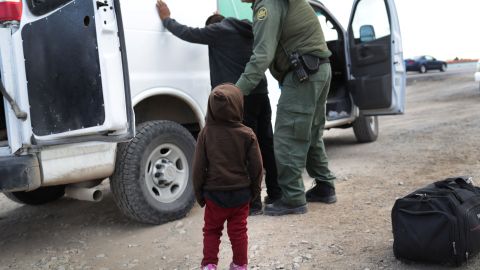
[(75, 73), (377, 66)]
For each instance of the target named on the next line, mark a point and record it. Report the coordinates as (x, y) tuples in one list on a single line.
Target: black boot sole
[(286, 211), (327, 200)]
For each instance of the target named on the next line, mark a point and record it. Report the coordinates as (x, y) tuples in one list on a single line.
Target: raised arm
[(267, 27), (206, 35)]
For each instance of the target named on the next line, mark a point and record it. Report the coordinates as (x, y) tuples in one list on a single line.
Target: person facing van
[(230, 43)]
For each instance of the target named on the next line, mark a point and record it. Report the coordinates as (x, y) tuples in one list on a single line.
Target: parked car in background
[(425, 63), (477, 74)]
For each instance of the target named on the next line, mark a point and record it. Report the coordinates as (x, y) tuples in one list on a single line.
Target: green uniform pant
[(298, 134)]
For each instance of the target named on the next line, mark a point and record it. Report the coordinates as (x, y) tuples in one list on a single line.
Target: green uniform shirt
[(281, 27)]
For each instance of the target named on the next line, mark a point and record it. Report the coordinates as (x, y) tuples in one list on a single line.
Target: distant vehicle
[(425, 63), (477, 74)]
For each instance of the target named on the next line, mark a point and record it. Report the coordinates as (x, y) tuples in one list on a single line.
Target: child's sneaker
[(238, 267), (210, 266)]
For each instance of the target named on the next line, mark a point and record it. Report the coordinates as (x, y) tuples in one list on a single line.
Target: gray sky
[(441, 28)]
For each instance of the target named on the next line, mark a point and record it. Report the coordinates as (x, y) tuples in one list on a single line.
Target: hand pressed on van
[(163, 10)]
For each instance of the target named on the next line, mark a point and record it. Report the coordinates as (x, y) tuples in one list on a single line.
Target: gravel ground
[(435, 139)]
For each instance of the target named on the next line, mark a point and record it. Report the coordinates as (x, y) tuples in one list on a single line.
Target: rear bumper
[(19, 173)]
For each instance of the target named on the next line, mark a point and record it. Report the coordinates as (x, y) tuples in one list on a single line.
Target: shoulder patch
[(262, 14)]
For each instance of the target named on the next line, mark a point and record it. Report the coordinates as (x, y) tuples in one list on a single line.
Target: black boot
[(321, 192), (279, 208), (269, 200)]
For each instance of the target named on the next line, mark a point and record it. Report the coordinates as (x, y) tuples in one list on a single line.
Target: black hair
[(215, 18)]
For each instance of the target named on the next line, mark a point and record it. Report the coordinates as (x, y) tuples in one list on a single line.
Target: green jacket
[(281, 27)]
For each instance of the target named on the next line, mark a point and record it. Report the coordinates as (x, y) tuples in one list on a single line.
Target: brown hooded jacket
[(227, 156)]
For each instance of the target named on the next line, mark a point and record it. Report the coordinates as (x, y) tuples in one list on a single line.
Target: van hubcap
[(166, 173)]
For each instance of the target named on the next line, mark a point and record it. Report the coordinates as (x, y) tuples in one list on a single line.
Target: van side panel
[(157, 59)]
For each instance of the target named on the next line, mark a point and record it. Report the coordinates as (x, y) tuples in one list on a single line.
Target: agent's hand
[(163, 10)]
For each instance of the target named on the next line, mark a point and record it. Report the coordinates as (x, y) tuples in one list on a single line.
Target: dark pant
[(298, 134), (215, 217), (258, 116)]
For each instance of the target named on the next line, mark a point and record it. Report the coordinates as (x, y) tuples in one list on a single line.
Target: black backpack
[(439, 223)]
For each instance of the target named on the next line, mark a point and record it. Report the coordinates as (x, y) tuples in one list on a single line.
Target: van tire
[(132, 182), (38, 196), (365, 128)]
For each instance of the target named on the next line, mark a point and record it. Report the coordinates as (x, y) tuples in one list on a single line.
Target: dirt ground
[(438, 137)]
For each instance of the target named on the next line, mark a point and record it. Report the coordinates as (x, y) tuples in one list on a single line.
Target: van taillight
[(10, 10)]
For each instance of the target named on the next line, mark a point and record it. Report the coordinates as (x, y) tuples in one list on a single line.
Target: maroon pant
[(215, 217)]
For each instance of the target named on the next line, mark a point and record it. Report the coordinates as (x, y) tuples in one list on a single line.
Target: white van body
[(99, 89), (168, 81)]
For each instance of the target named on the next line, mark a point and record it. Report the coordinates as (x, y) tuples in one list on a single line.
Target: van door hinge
[(18, 112), (102, 4)]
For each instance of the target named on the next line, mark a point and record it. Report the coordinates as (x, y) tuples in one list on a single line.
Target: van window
[(41, 7), (371, 21), (328, 28), (236, 9)]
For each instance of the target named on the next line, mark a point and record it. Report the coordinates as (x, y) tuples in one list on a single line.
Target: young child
[(227, 173)]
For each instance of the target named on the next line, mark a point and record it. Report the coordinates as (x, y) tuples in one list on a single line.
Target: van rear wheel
[(365, 128), (152, 182), (38, 196)]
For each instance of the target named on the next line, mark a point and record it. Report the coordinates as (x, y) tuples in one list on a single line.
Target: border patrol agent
[(289, 40)]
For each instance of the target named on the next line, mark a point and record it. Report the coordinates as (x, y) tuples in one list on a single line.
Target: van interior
[(339, 104)]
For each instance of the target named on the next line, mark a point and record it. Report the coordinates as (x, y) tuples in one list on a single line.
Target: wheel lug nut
[(157, 166), (157, 174)]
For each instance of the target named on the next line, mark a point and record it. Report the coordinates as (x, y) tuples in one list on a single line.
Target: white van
[(93, 90), (79, 71)]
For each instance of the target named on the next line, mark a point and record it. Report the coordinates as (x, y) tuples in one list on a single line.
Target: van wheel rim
[(166, 173)]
